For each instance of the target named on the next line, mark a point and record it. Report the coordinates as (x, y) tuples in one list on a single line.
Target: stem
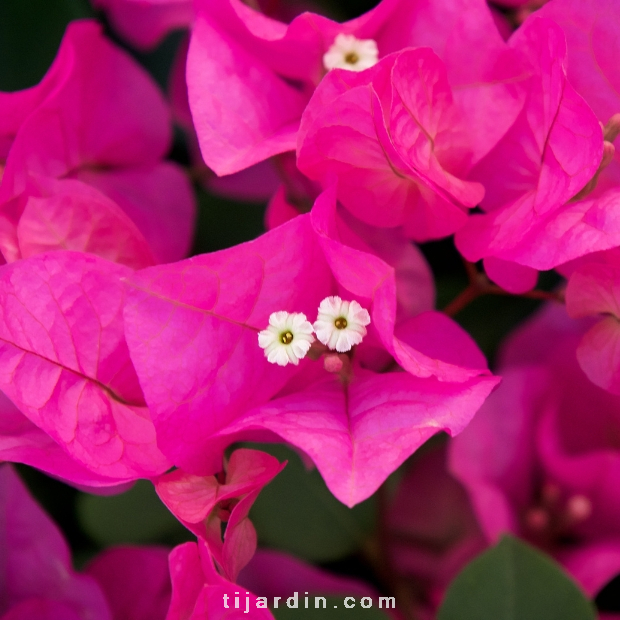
[(479, 284), (556, 296), (462, 300)]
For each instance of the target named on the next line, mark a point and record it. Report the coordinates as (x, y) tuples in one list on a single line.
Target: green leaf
[(136, 516), (296, 512), (513, 581), (30, 34), (334, 610)]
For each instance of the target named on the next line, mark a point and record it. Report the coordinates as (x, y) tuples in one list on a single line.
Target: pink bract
[(590, 29), (594, 290), (38, 578), (84, 152), (64, 362), (273, 68), (135, 581), (273, 573), (540, 459), (257, 183), (550, 153), (431, 539), (198, 590), (204, 503), (21, 441), (396, 144), (192, 332), (144, 23)]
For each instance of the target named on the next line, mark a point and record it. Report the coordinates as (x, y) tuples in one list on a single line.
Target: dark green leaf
[(513, 581), (137, 516)]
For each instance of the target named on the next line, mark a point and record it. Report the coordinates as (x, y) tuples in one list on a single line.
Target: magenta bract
[(395, 141), (549, 154), (65, 364), (144, 23), (431, 540), (540, 459), (199, 592), (37, 574), (593, 290), (192, 330), (204, 503), (84, 167), (273, 69), (135, 581)]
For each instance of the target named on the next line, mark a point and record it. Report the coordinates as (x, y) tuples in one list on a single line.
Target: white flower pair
[(339, 325)]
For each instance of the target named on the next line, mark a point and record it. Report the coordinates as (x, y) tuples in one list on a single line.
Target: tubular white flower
[(350, 53), (287, 339), (341, 324)]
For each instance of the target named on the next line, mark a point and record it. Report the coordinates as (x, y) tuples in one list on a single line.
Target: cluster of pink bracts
[(120, 360)]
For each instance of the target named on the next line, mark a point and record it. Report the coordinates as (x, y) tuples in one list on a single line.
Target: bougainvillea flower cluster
[(84, 165), (553, 479), (487, 129), (39, 581)]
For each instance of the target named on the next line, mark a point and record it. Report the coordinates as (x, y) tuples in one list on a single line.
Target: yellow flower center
[(286, 337), (340, 323)]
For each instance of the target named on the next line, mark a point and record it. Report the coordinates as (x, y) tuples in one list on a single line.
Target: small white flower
[(341, 324), (287, 339), (347, 52)]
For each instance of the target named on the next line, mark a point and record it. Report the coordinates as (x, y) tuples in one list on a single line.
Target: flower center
[(340, 323), (552, 519), (286, 337), (350, 53)]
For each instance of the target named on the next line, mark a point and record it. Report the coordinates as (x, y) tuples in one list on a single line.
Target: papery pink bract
[(95, 118), (373, 282), (415, 289), (273, 69), (38, 579), (415, 286), (257, 183), (198, 590), (594, 289), (65, 364), (274, 573), (358, 434), (73, 215), (393, 138), (192, 328), (192, 331), (550, 153), (233, 133), (487, 76), (591, 34), (432, 531), (144, 23), (540, 459), (21, 441), (203, 503), (135, 581)]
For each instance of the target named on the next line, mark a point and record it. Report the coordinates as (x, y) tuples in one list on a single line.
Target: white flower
[(287, 339), (341, 324), (347, 52)]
